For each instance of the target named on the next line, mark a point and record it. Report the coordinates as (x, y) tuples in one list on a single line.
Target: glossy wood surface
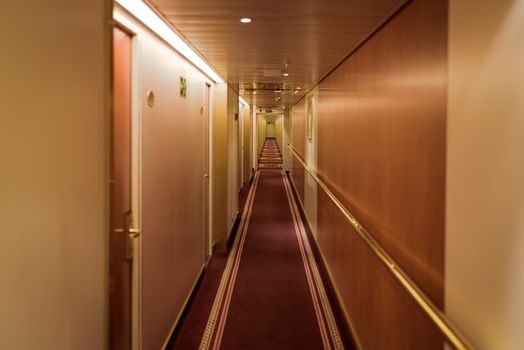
[(173, 187), (299, 144), (120, 195), (219, 174), (381, 149), (247, 146), (381, 313), (207, 170)]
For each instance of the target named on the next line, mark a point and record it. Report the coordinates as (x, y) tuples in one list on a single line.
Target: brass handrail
[(442, 322)]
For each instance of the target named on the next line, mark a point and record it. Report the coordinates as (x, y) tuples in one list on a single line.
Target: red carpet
[(188, 333), (270, 156), (269, 292), (271, 295)]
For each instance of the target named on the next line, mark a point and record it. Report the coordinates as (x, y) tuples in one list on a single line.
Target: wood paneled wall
[(261, 133), (233, 161), (172, 184), (381, 149), (298, 121), (278, 132), (247, 146), (219, 174)]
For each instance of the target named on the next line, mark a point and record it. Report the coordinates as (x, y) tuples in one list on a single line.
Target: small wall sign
[(183, 87)]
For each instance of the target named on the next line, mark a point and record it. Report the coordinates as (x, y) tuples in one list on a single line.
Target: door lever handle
[(134, 232)]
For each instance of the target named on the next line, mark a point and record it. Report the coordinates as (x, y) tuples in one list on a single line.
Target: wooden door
[(247, 146), (240, 138), (120, 196), (206, 171)]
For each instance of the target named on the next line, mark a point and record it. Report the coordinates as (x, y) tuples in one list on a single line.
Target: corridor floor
[(270, 291), (270, 156)]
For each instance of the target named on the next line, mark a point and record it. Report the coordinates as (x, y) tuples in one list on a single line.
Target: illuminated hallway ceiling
[(304, 38)]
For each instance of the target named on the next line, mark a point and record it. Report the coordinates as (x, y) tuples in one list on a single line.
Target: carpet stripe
[(328, 312), (328, 331), (311, 285), (219, 298), (270, 156)]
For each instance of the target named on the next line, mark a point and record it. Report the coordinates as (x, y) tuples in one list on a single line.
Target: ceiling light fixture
[(245, 20), (150, 19), (285, 74)]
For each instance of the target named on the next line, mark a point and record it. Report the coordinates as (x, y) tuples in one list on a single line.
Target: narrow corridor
[(262, 174), (273, 292)]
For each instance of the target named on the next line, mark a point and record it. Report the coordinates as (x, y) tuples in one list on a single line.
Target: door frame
[(240, 145), (208, 199), (136, 194), (136, 190)]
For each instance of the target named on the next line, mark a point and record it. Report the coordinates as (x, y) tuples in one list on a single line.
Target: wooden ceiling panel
[(311, 36)]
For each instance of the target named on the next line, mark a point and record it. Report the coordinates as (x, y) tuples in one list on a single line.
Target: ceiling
[(304, 38), (269, 117)]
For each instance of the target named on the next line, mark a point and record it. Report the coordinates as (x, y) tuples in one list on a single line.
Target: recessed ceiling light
[(245, 20), (278, 91), (285, 74)]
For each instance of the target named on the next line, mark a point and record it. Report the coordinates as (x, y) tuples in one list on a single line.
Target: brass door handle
[(206, 176), (134, 232)]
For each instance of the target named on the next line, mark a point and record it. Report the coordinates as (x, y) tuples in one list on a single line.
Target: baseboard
[(233, 232)]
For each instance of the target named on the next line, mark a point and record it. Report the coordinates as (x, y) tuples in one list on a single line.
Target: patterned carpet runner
[(271, 295), (270, 157)]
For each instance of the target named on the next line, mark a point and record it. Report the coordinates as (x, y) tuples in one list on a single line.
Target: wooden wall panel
[(173, 168), (261, 132), (247, 146), (233, 161), (278, 131), (382, 315), (219, 174), (382, 134), (299, 144)]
